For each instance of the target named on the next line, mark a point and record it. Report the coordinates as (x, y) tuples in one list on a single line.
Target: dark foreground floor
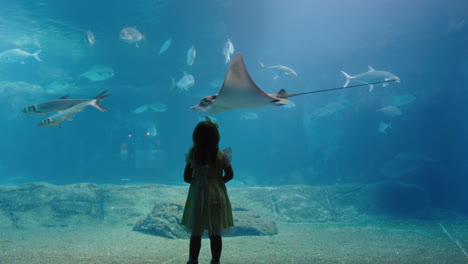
[(388, 242)]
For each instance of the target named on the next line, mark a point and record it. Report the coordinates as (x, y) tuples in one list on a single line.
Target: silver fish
[(97, 73), (69, 113), (90, 37), (141, 109), (184, 83), (191, 54), (131, 35), (158, 107), (165, 46), (17, 55), (279, 69), (59, 86), (249, 116), (370, 77), (228, 50), (404, 99), (62, 104), (390, 110)]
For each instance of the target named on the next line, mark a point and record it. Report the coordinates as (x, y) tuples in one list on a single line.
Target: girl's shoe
[(192, 261)]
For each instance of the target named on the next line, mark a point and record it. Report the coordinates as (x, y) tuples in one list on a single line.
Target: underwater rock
[(255, 209), (164, 220), (248, 223), (39, 204), (126, 204)]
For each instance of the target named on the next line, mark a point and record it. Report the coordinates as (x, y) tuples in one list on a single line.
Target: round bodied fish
[(98, 73), (90, 37), (158, 107), (131, 35), (184, 83), (390, 111)]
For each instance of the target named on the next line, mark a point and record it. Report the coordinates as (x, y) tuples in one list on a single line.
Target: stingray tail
[(348, 78)]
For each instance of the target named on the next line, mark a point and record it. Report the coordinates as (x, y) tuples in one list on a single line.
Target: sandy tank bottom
[(383, 242)]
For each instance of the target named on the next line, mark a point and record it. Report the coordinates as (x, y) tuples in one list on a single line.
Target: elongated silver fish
[(17, 55), (165, 46), (61, 104), (370, 77), (90, 37), (279, 69), (228, 50), (191, 54), (69, 113)]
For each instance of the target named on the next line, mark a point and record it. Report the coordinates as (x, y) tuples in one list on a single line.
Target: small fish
[(184, 83), (131, 35), (90, 37), (191, 54), (279, 69), (59, 86), (69, 113), (165, 46), (141, 109), (370, 77), (61, 104), (228, 50), (17, 55), (383, 127), (404, 99), (329, 109), (158, 107), (249, 116), (390, 110), (97, 73)]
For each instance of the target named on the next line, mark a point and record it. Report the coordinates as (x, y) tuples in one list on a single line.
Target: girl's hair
[(205, 143)]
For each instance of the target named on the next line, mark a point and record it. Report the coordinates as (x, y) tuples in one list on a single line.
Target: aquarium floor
[(380, 242)]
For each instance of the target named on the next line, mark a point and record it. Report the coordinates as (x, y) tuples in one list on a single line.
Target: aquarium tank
[(342, 105)]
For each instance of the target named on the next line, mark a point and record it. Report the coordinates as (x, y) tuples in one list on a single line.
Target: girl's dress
[(208, 207)]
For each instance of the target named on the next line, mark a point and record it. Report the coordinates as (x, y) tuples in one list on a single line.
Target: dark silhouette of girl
[(207, 209)]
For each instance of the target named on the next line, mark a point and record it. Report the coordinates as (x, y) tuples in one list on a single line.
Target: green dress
[(208, 207)]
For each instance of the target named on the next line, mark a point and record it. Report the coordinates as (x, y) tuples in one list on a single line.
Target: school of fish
[(67, 108)]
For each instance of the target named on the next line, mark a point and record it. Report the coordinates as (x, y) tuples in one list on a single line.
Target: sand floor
[(384, 242)]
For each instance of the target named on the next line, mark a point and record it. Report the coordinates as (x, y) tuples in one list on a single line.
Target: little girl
[(207, 208)]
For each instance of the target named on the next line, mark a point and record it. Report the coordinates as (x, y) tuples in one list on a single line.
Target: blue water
[(424, 43)]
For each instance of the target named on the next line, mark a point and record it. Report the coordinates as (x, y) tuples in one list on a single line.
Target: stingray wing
[(239, 90)]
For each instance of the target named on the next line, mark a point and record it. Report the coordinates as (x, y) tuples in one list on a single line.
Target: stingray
[(239, 91)]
